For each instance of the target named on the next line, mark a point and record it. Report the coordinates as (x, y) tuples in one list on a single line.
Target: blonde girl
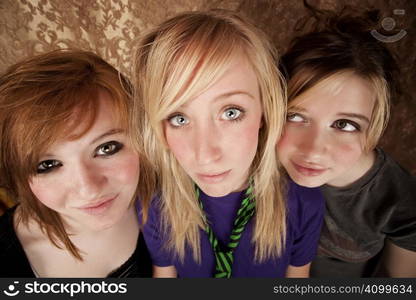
[(214, 108)]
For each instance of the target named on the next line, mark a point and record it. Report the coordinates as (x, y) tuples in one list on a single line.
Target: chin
[(215, 191), (308, 182), (100, 226), (103, 222)]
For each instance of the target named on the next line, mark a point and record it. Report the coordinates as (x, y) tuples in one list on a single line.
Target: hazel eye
[(47, 166), (231, 114), (346, 125), (294, 117), (108, 148), (178, 121)]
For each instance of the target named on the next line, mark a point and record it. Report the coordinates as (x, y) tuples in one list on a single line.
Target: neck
[(126, 225)]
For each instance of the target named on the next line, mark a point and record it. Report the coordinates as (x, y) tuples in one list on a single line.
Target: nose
[(314, 143), (207, 144), (88, 180)]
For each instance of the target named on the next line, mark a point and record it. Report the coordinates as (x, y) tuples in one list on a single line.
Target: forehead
[(102, 113), (84, 130), (345, 92), (238, 79), (86, 119)]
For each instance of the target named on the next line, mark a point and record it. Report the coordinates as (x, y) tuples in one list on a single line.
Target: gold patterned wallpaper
[(109, 28)]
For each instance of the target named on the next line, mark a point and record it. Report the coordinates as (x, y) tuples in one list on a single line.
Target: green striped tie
[(224, 259)]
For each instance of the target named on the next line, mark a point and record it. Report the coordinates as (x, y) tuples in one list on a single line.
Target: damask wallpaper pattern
[(109, 28)]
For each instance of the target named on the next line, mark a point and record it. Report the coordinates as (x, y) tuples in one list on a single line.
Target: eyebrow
[(233, 93), (107, 133), (361, 117), (354, 115), (295, 109), (227, 95)]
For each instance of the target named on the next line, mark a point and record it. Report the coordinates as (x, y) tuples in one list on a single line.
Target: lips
[(99, 207), (213, 177), (307, 171)]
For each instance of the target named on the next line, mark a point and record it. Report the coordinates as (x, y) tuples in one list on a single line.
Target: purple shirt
[(305, 215)]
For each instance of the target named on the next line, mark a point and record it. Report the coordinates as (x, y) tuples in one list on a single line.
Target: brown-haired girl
[(339, 84), (66, 158)]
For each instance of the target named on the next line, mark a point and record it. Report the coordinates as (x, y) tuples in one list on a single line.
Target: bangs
[(68, 115), (306, 80), (200, 57)]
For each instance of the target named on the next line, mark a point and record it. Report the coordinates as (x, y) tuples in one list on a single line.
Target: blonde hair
[(39, 99), (173, 63)]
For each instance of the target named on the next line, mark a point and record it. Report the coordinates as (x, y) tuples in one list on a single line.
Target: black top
[(14, 262), (380, 205)]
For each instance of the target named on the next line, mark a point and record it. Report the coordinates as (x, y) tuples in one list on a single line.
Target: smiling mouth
[(213, 178), (308, 171), (99, 208)]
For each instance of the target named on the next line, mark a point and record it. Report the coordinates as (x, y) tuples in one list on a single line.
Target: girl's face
[(214, 136), (89, 181), (325, 131)]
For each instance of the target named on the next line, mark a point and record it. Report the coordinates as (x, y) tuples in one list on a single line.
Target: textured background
[(109, 27)]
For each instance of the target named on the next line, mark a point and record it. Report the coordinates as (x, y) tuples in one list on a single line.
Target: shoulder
[(391, 184), (155, 234), (300, 197), (152, 225), (154, 210), (394, 174), (12, 256), (7, 233), (138, 265), (305, 214), (304, 204)]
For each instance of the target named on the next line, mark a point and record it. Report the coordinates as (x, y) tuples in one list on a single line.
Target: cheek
[(126, 169), (178, 145), (247, 139), (46, 192), (346, 154), (285, 143), (241, 143)]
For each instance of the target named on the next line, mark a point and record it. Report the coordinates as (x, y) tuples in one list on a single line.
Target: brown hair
[(38, 97), (342, 42)]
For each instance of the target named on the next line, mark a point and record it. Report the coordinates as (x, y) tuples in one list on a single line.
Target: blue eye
[(48, 166), (178, 120), (346, 125), (296, 118), (232, 114), (108, 148)]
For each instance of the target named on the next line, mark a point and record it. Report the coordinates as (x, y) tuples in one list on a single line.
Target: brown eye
[(48, 165), (346, 125), (109, 148)]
